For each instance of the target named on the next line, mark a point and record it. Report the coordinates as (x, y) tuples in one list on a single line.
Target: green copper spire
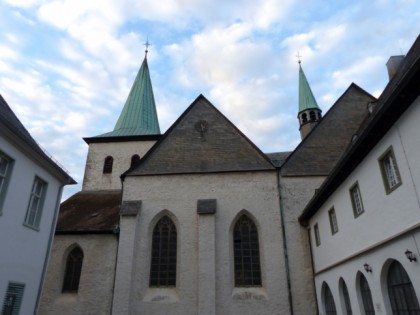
[(306, 98), (138, 117)]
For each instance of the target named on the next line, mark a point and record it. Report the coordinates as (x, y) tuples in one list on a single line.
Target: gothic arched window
[(346, 297), (366, 296), (108, 165), (304, 118), (246, 253), (73, 270), (329, 303), (401, 291), (134, 159), (163, 263)]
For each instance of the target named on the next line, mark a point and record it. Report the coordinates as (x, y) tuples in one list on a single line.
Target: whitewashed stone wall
[(121, 152), (94, 296), (254, 193), (295, 194)]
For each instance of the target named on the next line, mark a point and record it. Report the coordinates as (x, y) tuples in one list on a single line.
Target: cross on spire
[(298, 57), (147, 44)]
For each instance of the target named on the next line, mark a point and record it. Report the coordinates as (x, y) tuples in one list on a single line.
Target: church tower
[(309, 113), (137, 129)]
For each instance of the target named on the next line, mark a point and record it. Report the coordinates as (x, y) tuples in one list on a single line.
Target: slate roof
[(139, 116), (278, 158), (396, 98), (90, 212), (13, 124), (202, 140), (321, 149)]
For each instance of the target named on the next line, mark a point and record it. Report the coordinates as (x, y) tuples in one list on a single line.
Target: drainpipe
[(286, 256), (47, 253)]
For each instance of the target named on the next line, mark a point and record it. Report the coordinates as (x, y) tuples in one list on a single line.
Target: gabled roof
[(139, 116), (320, 150), (10, 121), (90, 212), (396, 98), (306, 97), (202, 140)]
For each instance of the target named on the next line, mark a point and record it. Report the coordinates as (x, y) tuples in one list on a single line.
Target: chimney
[(393, 64)]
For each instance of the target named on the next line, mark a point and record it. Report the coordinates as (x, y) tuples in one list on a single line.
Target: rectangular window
[(13, 299), (333, 221), (389, 170), (36, 202), (316, 233), (6, 164), (356, 200)]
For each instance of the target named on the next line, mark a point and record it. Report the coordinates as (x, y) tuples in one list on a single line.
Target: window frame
[(246, 267), (317, 235), (390, 174), (108, 165), (73, 270), (17, 290), (5, 177), (40, 198), (356, 188), (332, 215)]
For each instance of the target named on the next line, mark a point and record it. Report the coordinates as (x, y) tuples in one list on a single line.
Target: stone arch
[(364, 295), (72, 271)]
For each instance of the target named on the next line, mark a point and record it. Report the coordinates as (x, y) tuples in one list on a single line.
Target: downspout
[(286, 256), (50, 241)]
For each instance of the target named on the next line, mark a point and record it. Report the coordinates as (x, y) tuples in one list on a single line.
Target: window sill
[(31, 227), (161, 295), (249, 293)]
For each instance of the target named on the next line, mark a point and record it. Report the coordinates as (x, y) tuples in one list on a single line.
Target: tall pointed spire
[(309, 113), (139, 116)]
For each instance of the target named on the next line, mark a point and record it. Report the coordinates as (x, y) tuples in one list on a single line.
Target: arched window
[(304, 118), (108, 165), (163, 263), (328, 300), (346, 298), (401, 291), (366, 296), (246, 253), (134, 159), (312, 116), (73, 270)]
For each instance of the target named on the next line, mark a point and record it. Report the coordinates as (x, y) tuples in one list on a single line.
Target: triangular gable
[(318, 153), (202, 140)]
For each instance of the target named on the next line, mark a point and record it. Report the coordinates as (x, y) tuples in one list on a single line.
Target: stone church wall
[(94, 296), (205, 280), (121, 152), (295, 194)]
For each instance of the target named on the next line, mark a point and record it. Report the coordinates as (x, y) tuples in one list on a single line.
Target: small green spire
[(306, 98), (139, 116)]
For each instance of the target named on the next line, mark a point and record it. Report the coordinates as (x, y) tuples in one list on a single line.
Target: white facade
[(25, 247), (389, 225)]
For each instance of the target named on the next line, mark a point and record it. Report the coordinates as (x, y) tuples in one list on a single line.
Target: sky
[(66, 66)]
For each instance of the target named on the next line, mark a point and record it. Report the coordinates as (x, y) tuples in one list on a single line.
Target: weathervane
[(298, 57), (147, 44)]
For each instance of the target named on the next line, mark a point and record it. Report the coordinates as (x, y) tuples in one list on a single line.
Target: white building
[(30, 192), (364, 222)]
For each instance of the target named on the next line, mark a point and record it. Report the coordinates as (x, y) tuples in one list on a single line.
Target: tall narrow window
[(389, 169), (346, 297), (316, 234), (329, 303), (108, 165), (401, 291), (163, 263), (13, 299), (366, 296), (6, 164), (36, 202), (333, 221), (312, 116), (356, 200), (134, 159), (73, 270), (246, 253)]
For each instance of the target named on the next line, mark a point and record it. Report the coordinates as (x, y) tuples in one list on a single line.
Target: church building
[(198, 220)]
